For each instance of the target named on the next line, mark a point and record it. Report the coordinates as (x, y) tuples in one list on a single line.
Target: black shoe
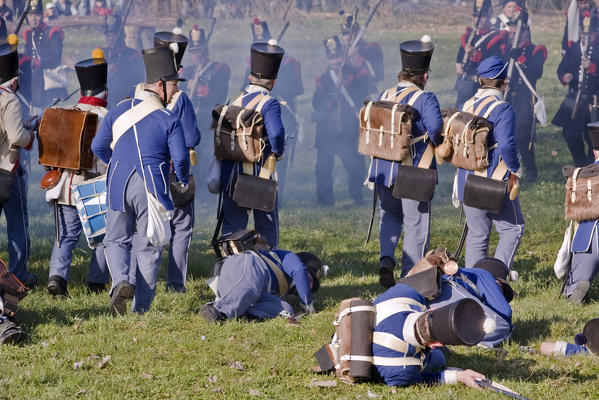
[(386, 266), (211, 314), (11, 333), (96, 287), (57, 286), (118, 301), (30, 282), (579, 292)]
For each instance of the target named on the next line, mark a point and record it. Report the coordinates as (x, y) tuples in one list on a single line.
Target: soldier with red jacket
[(43, 45), (530, 58), (475, 47)]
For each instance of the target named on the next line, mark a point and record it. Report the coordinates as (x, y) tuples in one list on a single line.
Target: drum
[(90, 199)]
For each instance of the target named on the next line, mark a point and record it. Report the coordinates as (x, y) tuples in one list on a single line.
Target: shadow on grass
[(59, 314), (528, 369), (530, 330)]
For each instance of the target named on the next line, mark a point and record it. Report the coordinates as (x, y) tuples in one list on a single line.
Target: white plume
[(325, 270), (273, 42), (514, 275), (174, 47), (425, 39), (489, 325)]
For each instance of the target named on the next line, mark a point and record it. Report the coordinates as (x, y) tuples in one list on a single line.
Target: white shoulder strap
[(415, 97), (133, 116), (491, 108)]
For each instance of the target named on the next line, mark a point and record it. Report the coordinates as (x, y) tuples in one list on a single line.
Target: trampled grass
[(171, 352)]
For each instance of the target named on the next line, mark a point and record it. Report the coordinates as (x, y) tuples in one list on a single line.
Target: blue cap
[(492, 68)]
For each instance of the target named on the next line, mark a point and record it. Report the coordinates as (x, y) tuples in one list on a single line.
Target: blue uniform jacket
[(427, 121), (479, 285), (274, 136), (182, 107), (503, 134), (295, 272), (581, 243), (401, 325), (160, 140)]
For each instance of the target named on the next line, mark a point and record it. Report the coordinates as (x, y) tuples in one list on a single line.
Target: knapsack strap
[(280, 275), (132, 116)]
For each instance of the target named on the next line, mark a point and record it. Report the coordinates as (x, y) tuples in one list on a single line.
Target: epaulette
[(464, 38), (295, 64), (494, 41), (542, 49), (26, 35), (56, 29)]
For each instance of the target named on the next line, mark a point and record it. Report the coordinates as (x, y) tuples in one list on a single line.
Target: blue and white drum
[(90, 199)]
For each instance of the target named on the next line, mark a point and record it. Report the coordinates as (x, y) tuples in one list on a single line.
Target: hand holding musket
[(469, 45)]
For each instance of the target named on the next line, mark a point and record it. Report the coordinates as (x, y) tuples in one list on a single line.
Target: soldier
[(92, 76), (43, 45), (265, 63), (13, 190), (368, 55), (486, 283), (407, 338), (586, 342), (578, 70), (134, 182), (412, 215), (530, 59), (207, 85), (251, 285), (289, 87), (183, 216), (476, 46), (510, 11), (503, 156), (574, 16), (124, 63), (340, 91)]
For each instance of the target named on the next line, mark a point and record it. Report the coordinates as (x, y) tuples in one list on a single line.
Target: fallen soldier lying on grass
[(250, 285), (585, 342)]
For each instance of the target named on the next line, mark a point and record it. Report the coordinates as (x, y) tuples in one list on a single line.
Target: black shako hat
[(9, 63), (500, 272), (416, 55), (459, 323), (160, 65), (591, 336), (112, 24), (265, 60), (594, 134), (36, 7), (260, 32), (167, 39), (92, 75), (333, 47), (314, 265)]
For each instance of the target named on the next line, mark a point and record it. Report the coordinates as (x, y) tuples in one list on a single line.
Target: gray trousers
[(509, 223), (182, 229), (69, 231), (414, 217), (118, 241), (243, 287), (584, 267)]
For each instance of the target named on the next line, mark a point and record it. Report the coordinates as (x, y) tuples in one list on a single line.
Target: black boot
[(57, 286), (386, 267), (211, 314)]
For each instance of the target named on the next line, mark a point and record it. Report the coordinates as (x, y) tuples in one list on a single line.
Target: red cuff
[(521, 59), (592, 68), (562, 80), (476, 57), (30, 145)]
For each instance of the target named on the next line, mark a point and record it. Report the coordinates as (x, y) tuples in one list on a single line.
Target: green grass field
[(171, 352)]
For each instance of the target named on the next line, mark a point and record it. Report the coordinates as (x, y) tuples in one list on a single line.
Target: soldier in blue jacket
[(265, 62), (154, 134), (586, 342), (251, 284), (486, 283), (407, 338), (183, 216), (412, 215), (501, 142)]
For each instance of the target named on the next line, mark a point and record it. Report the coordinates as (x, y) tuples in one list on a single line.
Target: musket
[(510, 69), (351, 37), (365, 26), (485, 6), (286, 21), (581, 73), (496, 387), (193, 84), (22, 18), (122, 28)]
